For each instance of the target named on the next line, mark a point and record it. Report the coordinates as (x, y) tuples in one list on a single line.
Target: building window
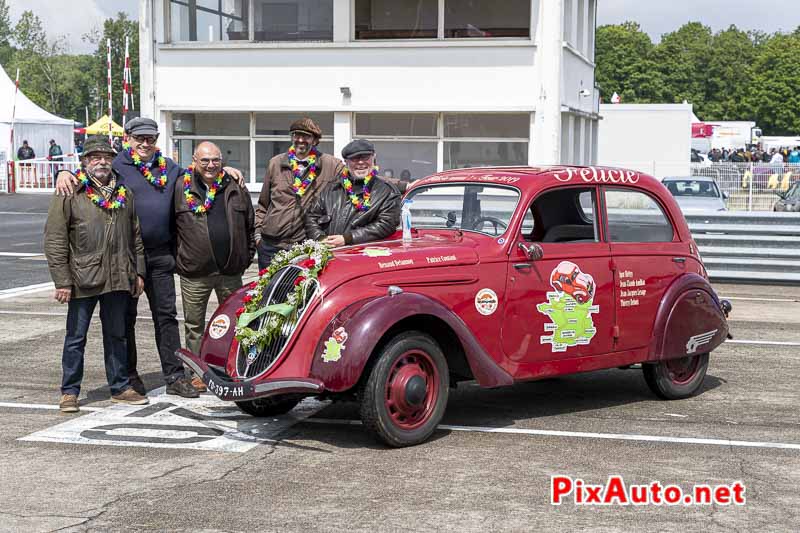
[(235, 152), (272, 136), (390, 19), (405, 143), (209, 20), (485, 139), (266, 150), (478, 18), (419, 19), (229, 131), (217, 124), (293, 20)]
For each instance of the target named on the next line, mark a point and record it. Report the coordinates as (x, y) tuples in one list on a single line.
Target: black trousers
[(265, 254), (159, 285)]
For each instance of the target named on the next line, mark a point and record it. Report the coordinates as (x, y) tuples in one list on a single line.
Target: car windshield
[(696, 188), (481, 208)]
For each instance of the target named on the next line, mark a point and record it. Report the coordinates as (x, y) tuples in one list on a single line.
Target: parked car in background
[(790, 200), (696, 193), (511, 275)]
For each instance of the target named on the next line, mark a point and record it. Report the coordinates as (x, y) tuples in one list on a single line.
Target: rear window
[(634, 216), (695, 188)]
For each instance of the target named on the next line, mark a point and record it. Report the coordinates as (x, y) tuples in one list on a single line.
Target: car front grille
[(253, 361)]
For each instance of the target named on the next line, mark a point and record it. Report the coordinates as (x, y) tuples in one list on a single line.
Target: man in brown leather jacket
[(359, 206), (292, 183), (216, 241), (95, 253)]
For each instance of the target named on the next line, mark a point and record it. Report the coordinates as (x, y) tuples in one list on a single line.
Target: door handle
[(521, 266), (679, 259)]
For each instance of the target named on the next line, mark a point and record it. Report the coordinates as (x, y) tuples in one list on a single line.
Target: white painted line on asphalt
[(15, 405), (584, 435), (5, 294), (20, 213), (748, 299), (95, 315), (23, 244), (19, 254), (766, 343)]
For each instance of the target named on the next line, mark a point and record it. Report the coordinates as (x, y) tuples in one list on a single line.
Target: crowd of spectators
[(755, 154)]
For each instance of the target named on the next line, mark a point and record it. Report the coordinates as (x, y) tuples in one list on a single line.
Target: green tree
[(625, 64), (772, 96), (729, 74), (682, 57), (6, 35)]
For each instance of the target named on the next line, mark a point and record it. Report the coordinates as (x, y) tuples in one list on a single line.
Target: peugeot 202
[(510, 275)]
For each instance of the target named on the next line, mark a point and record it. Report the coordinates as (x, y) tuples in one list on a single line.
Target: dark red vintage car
[(512, 274)]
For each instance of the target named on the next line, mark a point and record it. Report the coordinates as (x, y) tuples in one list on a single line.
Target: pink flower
[(262, 271), (253, 284), (299, 280), (308, 263), (247, 299), (239, 311)]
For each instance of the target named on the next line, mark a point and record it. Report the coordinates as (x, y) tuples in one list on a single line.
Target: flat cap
[(358, 147), (141, 126), (97, 144), (306, 125)]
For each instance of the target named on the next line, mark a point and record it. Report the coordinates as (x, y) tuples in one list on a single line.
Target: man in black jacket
[(359, 206)]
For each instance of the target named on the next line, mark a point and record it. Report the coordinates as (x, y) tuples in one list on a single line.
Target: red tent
[(701, 130)]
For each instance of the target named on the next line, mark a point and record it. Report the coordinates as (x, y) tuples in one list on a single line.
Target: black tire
[(670, 384), (272, 406), (413, 419)]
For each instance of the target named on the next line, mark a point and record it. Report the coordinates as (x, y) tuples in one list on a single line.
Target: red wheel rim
[(412, 390), (682, 370)]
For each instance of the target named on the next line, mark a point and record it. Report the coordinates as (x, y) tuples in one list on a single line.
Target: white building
[(436, 84)]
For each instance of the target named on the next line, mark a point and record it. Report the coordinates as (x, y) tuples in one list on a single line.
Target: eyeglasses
[(206, 161), (149, 139), (300, 136), (360, 158)]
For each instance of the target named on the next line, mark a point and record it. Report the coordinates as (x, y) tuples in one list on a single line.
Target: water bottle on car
[(405, 220)]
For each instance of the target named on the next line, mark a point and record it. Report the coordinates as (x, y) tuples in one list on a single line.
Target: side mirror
[(725, 196), (533, 252)]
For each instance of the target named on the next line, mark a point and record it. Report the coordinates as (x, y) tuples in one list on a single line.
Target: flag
[(615, 98)]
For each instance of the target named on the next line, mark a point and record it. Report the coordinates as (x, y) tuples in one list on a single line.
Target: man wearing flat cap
[(95, 253), (144, 170), (359, 206), (291, 185)]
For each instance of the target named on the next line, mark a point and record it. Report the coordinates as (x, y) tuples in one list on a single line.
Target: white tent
[(32, 123)]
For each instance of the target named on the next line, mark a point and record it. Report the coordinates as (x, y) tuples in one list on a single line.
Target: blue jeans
[(112, 316), (265, 254)]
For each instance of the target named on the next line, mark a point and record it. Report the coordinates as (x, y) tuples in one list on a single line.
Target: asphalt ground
[(315, 469)]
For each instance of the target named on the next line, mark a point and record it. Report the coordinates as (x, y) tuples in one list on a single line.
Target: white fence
[(39, 175), (750, 186)]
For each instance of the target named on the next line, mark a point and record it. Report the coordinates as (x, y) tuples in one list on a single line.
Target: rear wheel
[(405, 396), (273, 406), (675, 379)]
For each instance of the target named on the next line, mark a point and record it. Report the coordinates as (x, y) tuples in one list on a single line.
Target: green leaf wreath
[(311, 257)]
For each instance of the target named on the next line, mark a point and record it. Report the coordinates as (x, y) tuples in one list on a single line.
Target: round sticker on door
[(219, 326), (486, 301)]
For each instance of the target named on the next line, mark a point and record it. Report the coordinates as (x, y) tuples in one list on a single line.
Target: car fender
[(689, 321), (363, 324)]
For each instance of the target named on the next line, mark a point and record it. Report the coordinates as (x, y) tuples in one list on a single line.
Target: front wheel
[(675, 379), (405, 395), (272, 406)]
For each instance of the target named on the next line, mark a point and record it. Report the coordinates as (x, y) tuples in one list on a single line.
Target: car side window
[(562, 215), (634, 216)]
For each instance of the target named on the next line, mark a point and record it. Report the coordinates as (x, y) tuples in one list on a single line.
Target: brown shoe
[(198, 384), (130, 397), (137, 384), (68, 403)]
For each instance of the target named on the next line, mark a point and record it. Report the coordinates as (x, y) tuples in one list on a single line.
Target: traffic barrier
[(748, 246), (750, 186), (39, 175)]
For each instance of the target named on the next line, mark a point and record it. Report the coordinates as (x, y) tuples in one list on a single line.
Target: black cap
[(141, 126), (358, 147), (97, 143)]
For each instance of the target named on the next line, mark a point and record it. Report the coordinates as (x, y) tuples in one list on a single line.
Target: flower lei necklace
[(159, 182), (191, 201), (301, 185), (362, 201), (117, 200)]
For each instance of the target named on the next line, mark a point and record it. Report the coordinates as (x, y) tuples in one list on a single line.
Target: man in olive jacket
[(292, 183), (216, 241), (359, 206), (94, 249)]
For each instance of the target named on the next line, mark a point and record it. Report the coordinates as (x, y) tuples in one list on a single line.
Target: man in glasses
[(216, 241), (292, 182), (359, 206), (95, 253), (152, 176)]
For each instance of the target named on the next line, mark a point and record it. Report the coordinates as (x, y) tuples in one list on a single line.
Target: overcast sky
[(76, 17)]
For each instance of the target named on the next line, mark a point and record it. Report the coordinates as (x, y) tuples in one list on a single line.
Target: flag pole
[(126, 82), (110, 109), (14, 115)]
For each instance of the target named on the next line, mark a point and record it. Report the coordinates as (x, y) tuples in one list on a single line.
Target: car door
[(560, 305), (647, 257)]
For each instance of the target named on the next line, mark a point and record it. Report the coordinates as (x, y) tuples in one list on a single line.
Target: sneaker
[(182, 387), (130, 397), (68, 403), (137, 384), (198, 384)]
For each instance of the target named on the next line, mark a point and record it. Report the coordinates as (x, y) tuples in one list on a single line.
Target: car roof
[(688, 178), (539, 177)]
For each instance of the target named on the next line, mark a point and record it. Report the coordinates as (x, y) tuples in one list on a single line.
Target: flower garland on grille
[(161, 181), (301, 185), (196, 207), (311, 257), (117, 200), (360, 201)]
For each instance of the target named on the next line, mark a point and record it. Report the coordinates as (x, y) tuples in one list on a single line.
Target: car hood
[(687, 203), (427, 251)]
